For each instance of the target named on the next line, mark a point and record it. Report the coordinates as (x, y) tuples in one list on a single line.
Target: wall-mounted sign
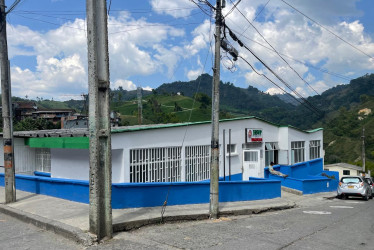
[(253, 135)]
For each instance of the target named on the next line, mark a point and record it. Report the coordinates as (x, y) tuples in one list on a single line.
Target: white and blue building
[(169, 153)]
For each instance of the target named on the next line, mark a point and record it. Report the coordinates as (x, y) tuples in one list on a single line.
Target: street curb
[(130, 225), (69, 232)]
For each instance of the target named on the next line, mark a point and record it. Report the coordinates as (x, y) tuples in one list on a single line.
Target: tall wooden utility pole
[(100, 212), (10, 187), (363, 150), (214, 158)]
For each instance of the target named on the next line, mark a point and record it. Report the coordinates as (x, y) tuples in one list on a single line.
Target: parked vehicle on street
[(370, 181), (354, 186)]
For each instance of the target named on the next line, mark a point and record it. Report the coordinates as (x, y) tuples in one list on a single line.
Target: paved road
[(317, 224), (322, 224), (15, 235)]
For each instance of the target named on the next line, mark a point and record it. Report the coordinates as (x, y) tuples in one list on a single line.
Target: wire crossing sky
[(152, 42)]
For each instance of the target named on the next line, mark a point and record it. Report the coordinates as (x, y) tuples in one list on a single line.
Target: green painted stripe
[(58, 142)]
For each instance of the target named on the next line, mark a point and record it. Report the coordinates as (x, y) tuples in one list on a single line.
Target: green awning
[(58, 142)]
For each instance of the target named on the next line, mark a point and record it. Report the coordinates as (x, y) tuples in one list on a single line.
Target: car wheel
[(366, 197), (344, 197)]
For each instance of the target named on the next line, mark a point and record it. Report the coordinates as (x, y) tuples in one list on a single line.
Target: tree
[(31, 124), (204, 100), (177, 108)]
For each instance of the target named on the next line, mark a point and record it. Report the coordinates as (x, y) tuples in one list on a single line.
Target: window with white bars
[(155, 164), (297, 151), (314, 149), (43, 160), (197, 162)]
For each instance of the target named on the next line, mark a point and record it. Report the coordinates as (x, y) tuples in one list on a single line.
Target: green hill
[(163, 108)]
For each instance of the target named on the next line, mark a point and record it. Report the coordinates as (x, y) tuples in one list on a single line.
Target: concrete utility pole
[(363, 150), (140, 106), (100, 213), (10, 184), (214, 158)]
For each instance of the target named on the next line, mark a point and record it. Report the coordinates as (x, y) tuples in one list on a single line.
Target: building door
[(251, 164)]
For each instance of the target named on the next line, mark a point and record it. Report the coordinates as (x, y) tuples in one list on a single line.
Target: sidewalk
[(70, 219)]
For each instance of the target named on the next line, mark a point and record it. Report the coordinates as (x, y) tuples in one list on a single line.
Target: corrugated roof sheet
[(82, 132)]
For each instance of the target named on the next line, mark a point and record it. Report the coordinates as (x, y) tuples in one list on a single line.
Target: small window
[(231, 148), (346, 172), (250, 156)]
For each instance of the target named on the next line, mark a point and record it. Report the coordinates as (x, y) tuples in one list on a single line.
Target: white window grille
[(197, 162), (250, 156), (297, 151), (271, 153), (155, 164), (314, 149), (43, 160)]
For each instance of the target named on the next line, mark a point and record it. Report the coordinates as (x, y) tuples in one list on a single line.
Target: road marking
[(341, 207), (316, 212), (355, 202)]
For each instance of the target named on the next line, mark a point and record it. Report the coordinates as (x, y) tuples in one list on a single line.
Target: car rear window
[(351, 180)]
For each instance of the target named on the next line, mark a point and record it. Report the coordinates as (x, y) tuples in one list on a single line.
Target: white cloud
[(147, 88), (293, 35), (274, 91), (125, 84), (139, 47), (193, 74), (202, 36), (136, 48), (175, 8)]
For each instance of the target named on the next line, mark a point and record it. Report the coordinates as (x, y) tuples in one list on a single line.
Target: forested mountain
[(238, 101), (343, 110), (249, 101)]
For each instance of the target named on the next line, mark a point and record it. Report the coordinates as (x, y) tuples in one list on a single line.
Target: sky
[(152, 42)]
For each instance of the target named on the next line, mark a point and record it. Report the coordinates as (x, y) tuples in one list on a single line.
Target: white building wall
[(197, 135), (74, 164), (339, 169), (297, 135), (24, 157)]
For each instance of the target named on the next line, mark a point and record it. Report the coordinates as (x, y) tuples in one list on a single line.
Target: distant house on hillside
[(344, 169), (53, 115), (23, 110), (75, 121)]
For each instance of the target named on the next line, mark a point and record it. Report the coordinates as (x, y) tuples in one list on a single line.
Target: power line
[(232, 9), (56, 24), (337, 36), (12, 6), (275, 50), (263, 75), (261, 10), (206, 12), (300, 61), (275, 74)]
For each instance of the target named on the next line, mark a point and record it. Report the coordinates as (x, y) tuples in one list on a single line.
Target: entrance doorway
[(251, 164)]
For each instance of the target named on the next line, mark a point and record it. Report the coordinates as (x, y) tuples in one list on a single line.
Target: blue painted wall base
[(308, 177), (131, 195)]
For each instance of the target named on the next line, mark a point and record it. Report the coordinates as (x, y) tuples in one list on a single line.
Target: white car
[(354, 186)]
